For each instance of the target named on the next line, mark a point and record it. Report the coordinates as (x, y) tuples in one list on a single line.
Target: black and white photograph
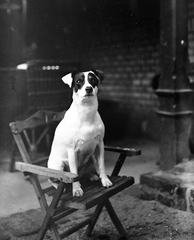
[(96, 119)]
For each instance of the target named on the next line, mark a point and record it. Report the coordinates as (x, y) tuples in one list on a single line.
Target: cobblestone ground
[(143, 220)]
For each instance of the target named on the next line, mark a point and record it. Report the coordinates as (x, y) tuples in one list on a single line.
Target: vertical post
[(175, 95)]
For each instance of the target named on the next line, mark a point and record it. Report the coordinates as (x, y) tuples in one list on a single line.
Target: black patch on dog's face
[(78, 81), (99, 74), (93, 80)]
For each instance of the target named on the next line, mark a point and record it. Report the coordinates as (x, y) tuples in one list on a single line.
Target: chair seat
[(94, 192)]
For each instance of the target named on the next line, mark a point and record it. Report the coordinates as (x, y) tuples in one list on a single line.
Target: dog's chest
[(85, 148), (88, 137), (87, 140), (82, 133)]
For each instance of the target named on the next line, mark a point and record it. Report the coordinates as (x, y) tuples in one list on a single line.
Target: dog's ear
[(100, 74), (68, 79)]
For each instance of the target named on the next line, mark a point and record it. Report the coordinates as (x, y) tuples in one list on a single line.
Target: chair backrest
[(45, 88), (43, 118)]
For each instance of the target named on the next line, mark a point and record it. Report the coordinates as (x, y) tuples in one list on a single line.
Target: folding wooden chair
[(63, 204)]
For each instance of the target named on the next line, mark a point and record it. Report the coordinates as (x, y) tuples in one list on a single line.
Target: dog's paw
[(94, 177), (77, 190), (106, 182)]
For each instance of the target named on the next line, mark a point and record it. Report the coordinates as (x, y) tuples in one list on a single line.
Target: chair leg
[(48, 218), (115, 219), (54, 232), (94, 219)]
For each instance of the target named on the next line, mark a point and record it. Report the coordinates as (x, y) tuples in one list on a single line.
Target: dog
[(78, 144)]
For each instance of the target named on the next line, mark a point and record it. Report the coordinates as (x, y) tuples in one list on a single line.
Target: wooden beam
[(62, 176)]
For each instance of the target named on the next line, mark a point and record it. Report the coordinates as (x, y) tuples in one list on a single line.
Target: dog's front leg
[(104, 179), (73, 166)]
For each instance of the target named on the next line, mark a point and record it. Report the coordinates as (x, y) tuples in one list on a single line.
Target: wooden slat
[(108, 192), (62, 212), (97, 193), (42, 117), (68, 193), (48, 190), (63, 176), (89, 195), (90, 187), (87, 186), (129, 151)]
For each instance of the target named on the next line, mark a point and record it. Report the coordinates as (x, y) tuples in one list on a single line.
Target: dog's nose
[(89, 89)]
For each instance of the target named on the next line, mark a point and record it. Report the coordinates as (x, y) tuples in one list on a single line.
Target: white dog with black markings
[(78, 142)]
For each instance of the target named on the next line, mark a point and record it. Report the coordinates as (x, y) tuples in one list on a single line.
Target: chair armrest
[(62, 176), (123, 153), (128, 151)]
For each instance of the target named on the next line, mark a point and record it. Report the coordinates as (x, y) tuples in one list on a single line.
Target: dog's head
[(84, 84)]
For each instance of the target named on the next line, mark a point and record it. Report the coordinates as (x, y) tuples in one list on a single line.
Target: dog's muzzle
[(89, 90)]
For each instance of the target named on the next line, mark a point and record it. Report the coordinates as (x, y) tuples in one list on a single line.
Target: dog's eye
[(92, 80), (79, 81)]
